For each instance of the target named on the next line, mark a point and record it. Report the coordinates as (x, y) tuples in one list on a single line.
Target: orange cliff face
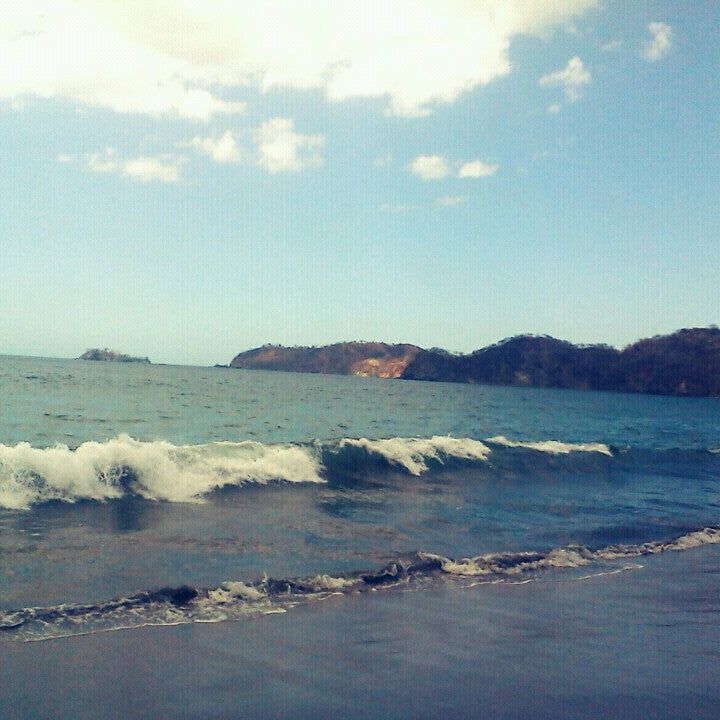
[(364, 359), (384, 367)]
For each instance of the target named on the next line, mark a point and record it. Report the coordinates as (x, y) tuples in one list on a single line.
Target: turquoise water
[(69, 401), (136, 495), (200, 475)]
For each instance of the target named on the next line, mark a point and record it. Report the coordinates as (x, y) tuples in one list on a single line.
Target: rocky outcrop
[(106, 355)]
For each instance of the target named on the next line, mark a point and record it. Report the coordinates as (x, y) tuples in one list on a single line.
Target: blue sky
[(187, 180)]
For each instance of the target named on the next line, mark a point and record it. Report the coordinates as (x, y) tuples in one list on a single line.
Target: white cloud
[(164, 168), (281, 149), (156, 168), (437, 167), (452, 200), (572, 79), (274, 146), (657, 48), (554, 109), (224, 149), (611, 45), (181, 57), (477, 169), (430, 167), (62, 49)]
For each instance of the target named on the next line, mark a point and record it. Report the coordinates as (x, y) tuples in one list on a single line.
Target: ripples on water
[(119, 479)]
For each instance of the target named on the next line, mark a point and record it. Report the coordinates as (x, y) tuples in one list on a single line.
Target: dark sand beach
[(605, 646)]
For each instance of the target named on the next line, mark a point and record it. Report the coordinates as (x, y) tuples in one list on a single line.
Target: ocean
[(182, 542)]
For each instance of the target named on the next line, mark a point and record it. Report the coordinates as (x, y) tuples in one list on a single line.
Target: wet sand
[(637, 644)]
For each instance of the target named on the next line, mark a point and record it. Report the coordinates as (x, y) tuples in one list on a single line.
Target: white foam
[(329, 582), (235, 600), (161, 470), (554, 447), (413, 454), (698, 538), (706, 536), (505, 564), (566, 558), (231, 592), (608, 573), (465, 566)]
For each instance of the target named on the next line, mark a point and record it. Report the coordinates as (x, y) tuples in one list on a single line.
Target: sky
[(186, 180)]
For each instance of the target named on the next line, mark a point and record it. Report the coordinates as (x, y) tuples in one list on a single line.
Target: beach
[(642, 643)]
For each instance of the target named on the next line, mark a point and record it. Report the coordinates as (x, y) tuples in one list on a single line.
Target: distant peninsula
[(685, 363), (106, 355)]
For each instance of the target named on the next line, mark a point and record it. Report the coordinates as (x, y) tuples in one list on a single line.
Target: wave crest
[(160, 470), (553, 447), (413, 454), (156, 470)]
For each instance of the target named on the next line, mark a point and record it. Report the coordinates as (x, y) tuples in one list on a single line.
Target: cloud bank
[(192, 58)]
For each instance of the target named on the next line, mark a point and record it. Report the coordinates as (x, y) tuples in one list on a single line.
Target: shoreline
[(635, 644)]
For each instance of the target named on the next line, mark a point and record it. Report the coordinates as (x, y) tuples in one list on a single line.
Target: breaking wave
[(414, 454), (553, 447), (159, 470), (234, 600), (154, 470)]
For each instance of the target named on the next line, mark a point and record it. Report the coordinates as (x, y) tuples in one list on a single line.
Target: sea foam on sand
[(546, 650)]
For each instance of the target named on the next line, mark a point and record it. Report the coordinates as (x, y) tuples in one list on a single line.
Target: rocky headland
[(366, 359), (686, 362)]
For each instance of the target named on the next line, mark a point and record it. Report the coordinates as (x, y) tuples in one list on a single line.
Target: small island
[(106, 355)]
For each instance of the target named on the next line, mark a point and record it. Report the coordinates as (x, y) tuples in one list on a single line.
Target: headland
[(684, 363)]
